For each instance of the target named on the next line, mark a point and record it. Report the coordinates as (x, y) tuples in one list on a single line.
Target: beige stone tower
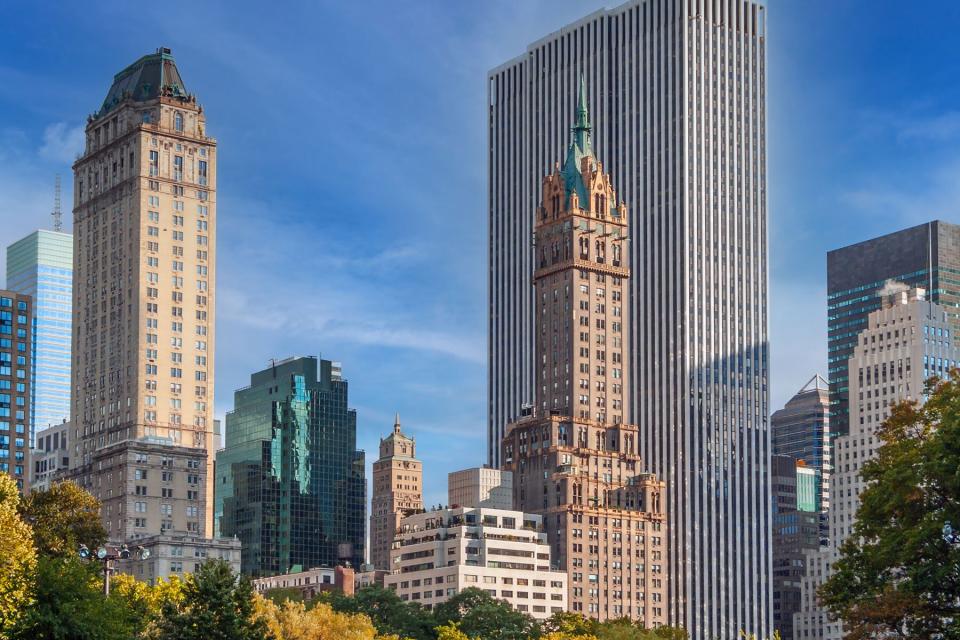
[(574, 460), (397, 492), (143, 305)]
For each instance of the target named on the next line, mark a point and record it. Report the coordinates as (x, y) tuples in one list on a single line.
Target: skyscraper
[(16, 318), (902, 344), (290, 481), (574, 460), (681, 88), (41, 266), (143, 308), (801, 430), (927, 256), (397, 492)]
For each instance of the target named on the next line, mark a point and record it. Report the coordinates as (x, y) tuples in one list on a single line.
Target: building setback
[(480, 487), (926, 256), (143, 308), (437, 555), (50, 457), (397, 492), (681, 88), (290, 480), (903, 343), (574, 459), (41, 266), (16, 320)]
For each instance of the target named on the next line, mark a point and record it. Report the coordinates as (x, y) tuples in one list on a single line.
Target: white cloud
[(62, 143)]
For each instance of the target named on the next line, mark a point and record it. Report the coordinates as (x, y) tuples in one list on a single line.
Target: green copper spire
[(581, 129), (579, 148)]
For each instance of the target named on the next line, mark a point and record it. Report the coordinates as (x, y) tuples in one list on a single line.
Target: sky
[(352, 172)]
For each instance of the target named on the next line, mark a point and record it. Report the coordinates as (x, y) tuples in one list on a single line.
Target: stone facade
[(436, 555), (575, 461), (143, 306), (397, 492), (480, 487)]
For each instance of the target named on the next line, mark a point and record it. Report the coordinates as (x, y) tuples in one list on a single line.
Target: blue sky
[(352, 174)]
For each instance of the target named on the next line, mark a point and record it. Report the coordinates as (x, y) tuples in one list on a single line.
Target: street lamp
[(949, 535), (110, 554)]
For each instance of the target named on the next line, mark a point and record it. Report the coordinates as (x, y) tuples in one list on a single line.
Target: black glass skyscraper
[(290, 481)]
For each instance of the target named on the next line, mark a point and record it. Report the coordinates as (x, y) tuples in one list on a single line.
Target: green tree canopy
[(70, 605), (896, 574), (216, 605), (390, 614), (63, 518), (477, 614)]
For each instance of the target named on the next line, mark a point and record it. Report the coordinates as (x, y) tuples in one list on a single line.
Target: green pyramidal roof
[(149, 77), (580, 147)]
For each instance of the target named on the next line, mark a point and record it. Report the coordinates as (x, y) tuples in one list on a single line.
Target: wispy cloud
[(62, 143), (907, 199)]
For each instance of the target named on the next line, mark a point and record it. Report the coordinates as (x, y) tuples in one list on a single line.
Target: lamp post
[(108, 555), (949, 535)]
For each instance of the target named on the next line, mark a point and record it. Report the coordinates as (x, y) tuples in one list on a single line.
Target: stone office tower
[(397, 492), (143, 305), (681, 85), (575, 460)]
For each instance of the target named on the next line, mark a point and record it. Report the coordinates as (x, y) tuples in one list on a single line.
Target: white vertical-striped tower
[(678, 87)]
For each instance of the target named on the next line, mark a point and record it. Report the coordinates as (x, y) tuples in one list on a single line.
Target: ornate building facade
[(397, 492), (575, 460)]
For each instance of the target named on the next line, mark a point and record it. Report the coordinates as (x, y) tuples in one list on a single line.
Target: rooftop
[(150, 77)]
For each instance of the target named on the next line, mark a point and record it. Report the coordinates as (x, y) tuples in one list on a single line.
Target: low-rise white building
[(179, 555), (436, 555), (310, 582), (480, 487)]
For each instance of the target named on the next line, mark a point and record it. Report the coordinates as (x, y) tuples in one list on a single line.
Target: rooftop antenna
[(57, 212)]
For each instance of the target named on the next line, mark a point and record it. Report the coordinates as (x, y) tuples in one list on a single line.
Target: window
[(178, 121), (202, 172), (178, 168), (154, 164)]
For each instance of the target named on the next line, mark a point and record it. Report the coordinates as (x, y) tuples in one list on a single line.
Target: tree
[(17, 561), (216, 605), (144, 603), (450, 632), (63, 518), (390, 614), (569, 624), (293, 621), (896, 575), (479, 615), (70, 604)]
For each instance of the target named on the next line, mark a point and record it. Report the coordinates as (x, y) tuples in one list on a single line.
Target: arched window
[(616, 255), (584, 248), (600, 251), (178, 121)]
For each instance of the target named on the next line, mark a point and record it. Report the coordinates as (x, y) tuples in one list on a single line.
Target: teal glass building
[(290, 481), (41, 266)]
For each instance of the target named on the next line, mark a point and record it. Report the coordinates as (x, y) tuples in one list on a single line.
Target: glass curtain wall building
[(290, 480), (926, 256), (41, 266)]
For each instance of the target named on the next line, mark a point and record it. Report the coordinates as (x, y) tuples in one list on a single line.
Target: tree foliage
[(216, 605), (896, 575), (390, 614), (144, 603), (17, 561), (70, 604), (293, 621), (63, 518), (480, 615)]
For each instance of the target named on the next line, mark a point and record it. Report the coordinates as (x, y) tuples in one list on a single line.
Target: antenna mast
[(57, 213)]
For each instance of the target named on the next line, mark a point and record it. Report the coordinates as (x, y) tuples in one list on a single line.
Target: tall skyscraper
[(574, 459), (290, 481), (926, 256), (681, 87), (397, 492), (16, 319), (143, 308), (903, 343), (801, 430), (41, 266)]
